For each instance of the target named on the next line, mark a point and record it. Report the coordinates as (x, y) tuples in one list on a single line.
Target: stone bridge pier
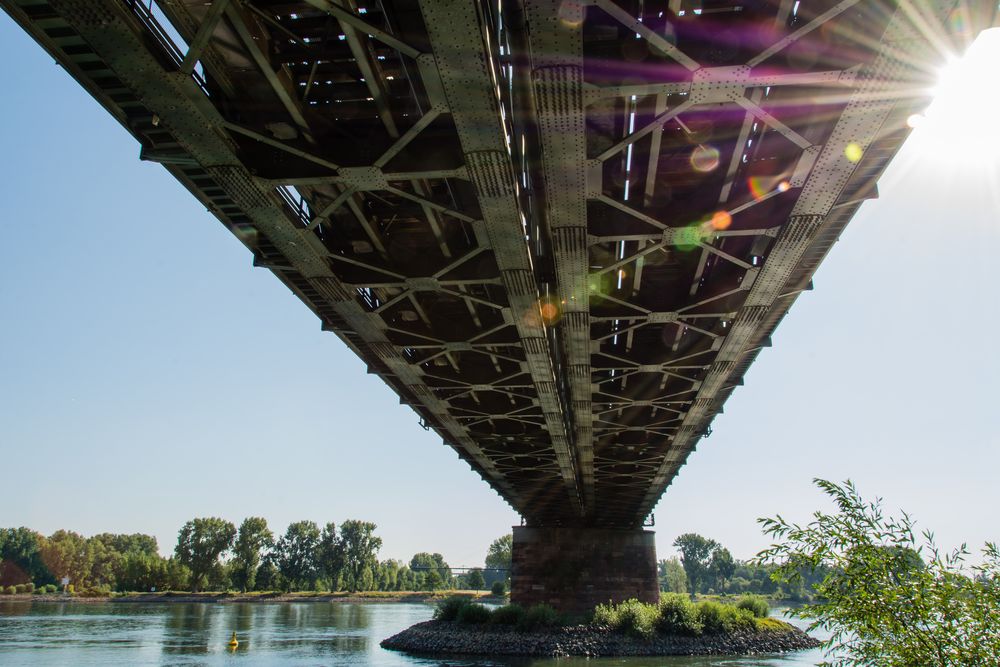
[(574, 569)]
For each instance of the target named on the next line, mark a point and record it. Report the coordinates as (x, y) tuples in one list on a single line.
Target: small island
[(675, 626)]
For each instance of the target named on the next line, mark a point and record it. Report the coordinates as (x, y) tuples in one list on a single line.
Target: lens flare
[(915, 120), (784, 186), (758, 187), (853, 152), (688, 238), (721, 220), (570, 13), (550, 311), (705, 158)]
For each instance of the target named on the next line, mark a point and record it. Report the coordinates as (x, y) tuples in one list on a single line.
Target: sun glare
[(963, 121)]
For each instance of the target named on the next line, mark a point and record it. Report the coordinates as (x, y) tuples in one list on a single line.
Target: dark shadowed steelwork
[(560, 230)]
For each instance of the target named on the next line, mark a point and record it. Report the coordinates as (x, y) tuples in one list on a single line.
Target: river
[(282, 634)]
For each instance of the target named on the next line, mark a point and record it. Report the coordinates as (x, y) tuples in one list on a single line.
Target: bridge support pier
[(574, 569)]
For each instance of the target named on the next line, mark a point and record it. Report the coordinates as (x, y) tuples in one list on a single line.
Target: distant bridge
[(560, 230)]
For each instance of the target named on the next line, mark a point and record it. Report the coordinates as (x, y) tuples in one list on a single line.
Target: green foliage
[(498, 556), (29, 587), (10, 590), (330, 555), (886, 598), (296, 554), (672, 576), (638, 619), (717, 618), (678, 616), (538, 616), (509, 614), (50, 588), (449, 608), (475, 579), (21, 558), (252, 539), (498, 588), (200, 542), (360, 553), (20, 589), (755, 604), (437, 573), (473, 614), (706, 563)]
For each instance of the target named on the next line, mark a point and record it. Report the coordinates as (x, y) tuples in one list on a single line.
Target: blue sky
[(149, 375)]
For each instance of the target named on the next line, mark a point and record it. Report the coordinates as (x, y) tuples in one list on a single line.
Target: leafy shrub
[(716, 618), (10, 590), (538, 616), (632, 617), (19, 589), (449, 608), (96, 591), (29, 587), (678, 616), (509, 614), (638, 619), (498, 588), (606, 615), (473, 614), (755, 604), (51, 588), (70, 589)]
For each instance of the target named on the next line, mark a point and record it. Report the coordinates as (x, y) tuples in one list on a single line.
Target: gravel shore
[(434, 637)]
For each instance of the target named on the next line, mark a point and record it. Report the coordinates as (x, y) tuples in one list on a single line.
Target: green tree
[(330, 556), (672, 576), (360, 548), (268, 577), (721, 567), (432, 581), (296, 554), (252, 539), (21, 559), (427, 563), (68, 554), (696, 556), (200, 543), (498, 556), (475, 579), (886, 598)]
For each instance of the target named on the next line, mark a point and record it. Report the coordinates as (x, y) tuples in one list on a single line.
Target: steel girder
[(560, 231)]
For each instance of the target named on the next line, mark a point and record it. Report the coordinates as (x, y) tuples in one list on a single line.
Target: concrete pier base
[(574, 569)]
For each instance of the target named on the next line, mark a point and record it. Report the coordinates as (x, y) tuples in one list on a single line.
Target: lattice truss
[(560, 231)]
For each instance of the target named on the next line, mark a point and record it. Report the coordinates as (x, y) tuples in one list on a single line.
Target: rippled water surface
[(42, 633)]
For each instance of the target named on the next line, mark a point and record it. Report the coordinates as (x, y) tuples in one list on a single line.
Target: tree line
[(706, 567), (214, 554)]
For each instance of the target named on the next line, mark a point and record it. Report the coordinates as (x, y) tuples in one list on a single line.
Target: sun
[(962, 123)]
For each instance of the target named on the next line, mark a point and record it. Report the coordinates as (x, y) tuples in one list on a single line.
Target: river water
[(282, 634)]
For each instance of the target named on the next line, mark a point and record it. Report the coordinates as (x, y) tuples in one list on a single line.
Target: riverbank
[(450, 637), (178, 597)]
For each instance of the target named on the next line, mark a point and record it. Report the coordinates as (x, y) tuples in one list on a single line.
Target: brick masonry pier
[(574, 569)]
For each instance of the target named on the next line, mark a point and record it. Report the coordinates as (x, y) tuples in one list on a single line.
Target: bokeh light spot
[(688, 238), (853, 152), (784, 186), (705, 157), (915, 120), (570, 13), (721, 220), (550, 312)]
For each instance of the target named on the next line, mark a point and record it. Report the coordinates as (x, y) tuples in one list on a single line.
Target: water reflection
[(269, 634)]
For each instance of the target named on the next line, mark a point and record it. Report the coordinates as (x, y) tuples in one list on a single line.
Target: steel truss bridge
[(560, 230)]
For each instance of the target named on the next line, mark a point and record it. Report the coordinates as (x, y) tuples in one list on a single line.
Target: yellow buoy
[(233, 642)]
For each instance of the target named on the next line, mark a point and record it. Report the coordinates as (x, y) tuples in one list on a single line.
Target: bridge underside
[(560, 231)]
